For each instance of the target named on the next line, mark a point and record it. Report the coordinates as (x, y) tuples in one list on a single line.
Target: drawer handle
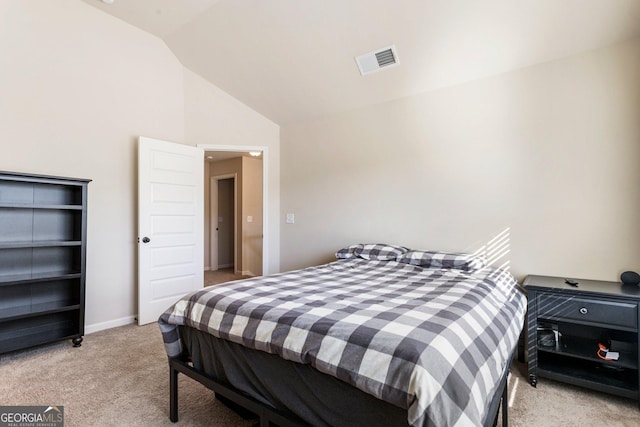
[(584, 310)]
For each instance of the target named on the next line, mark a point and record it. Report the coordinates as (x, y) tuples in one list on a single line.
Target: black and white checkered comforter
[(434, 341)]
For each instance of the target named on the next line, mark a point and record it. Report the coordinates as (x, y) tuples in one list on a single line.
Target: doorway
[(244, 217), (223, 216), (226, 224), (223, 206)]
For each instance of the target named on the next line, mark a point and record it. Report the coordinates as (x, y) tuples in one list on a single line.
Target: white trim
[(265, 191), (96, 327)]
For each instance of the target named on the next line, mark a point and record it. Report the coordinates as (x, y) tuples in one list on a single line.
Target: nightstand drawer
[(587, 310)]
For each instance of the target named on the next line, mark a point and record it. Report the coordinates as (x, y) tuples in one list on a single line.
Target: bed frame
[(269, 416)]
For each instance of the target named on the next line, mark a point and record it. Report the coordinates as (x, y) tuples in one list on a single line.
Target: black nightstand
[(567, 323)]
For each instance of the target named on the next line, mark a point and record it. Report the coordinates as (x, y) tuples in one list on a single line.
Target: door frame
[(265, 191), (213, 202)]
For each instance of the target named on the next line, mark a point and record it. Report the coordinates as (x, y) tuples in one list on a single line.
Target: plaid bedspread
[(433, 341)]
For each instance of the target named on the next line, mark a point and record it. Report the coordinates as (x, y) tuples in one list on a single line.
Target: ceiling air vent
[(377, 60)]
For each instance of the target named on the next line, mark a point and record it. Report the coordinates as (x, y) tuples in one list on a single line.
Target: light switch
[(219, 219), (291, 218), (249, 218)]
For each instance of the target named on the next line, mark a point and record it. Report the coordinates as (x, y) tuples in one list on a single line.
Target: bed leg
[(505, 403), (173, 394)]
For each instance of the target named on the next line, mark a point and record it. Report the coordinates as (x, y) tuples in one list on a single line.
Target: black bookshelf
[(43, 243)]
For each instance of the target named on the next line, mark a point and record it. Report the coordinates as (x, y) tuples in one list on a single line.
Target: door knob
[(146, 240)]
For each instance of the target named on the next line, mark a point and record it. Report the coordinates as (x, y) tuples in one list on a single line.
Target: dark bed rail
[(269, 416)]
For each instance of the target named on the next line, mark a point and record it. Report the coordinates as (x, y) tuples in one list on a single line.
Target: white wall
[(550, 153), (77, 87), (252, 207)]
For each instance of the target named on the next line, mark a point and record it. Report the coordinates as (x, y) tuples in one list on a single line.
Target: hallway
[(222, 275)]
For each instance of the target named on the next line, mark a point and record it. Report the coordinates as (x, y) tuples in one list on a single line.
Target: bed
[(384, 335)]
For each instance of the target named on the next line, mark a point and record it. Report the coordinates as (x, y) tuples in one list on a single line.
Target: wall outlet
[(290, 218)]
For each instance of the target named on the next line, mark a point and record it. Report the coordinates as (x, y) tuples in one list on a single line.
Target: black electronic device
[(630, 278), (546, 337)]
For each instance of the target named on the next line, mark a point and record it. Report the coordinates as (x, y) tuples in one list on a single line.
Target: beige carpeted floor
[(553, 403), (119, 377)]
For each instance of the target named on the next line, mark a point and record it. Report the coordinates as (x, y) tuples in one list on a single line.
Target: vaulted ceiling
[(293, 60)]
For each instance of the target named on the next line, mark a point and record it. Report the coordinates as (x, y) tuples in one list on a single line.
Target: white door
[(170, 224)]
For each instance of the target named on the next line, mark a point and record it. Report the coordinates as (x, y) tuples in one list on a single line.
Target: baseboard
[(224, 265), (246, 273), (96, 327)]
